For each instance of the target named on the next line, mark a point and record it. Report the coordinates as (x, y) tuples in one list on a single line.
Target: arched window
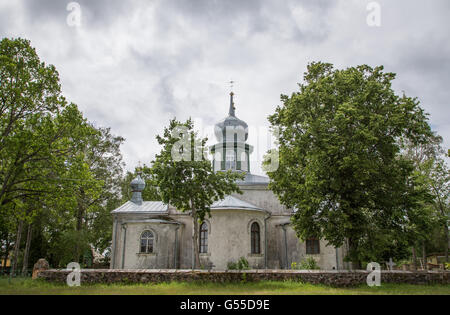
[(147, 242), (203, 238), (230, 160), (255, 238)]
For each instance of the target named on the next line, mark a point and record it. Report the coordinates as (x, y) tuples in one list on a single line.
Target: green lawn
[(28, 286)]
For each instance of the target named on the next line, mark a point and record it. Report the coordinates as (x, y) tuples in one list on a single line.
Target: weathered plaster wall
[(260, 196), (228, 239), (163, 255)]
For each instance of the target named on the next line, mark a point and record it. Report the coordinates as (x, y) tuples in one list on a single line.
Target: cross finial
[(232, 108), (231, 85), (139, 168)]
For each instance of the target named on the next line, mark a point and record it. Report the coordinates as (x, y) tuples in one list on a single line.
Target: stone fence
[(332, 278)]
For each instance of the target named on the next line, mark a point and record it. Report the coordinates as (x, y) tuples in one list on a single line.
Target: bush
[(309, 263), (241, 264)]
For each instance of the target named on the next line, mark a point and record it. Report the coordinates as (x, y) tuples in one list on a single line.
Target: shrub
[(241, 264), (309, 263)]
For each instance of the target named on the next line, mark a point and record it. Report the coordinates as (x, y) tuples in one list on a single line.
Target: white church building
[(254, 225)]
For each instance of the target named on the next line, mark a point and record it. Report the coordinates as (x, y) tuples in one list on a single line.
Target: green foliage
[(340, 164), (308, 263), (241, 264), (150, 191), (58, 172)]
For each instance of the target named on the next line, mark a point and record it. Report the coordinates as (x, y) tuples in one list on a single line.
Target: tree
[(438, 180), (339, 161), (434, 173), (58, 173), (185, 178), (30, 99)]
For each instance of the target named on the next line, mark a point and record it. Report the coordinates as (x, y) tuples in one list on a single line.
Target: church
[(253, 225)]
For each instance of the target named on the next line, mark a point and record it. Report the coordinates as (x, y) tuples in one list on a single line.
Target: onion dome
[(137, 186), (231, 124)]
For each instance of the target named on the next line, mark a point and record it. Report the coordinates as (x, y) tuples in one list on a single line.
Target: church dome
[(231, 124), (137, 184)]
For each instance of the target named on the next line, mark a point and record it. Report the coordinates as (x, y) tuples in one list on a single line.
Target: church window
[(230, 160), (204, 238), (312, 246), (255, 239), (147, 242)]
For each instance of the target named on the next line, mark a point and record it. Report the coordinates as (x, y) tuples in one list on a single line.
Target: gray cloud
[(133, 65)]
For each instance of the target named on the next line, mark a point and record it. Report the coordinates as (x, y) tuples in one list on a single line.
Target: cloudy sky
[(133, 65)]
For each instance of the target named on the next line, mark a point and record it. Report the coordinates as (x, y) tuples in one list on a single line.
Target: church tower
[(231, 152)]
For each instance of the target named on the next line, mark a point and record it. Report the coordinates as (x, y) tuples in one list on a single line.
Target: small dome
[(137, 184), (231, 124)]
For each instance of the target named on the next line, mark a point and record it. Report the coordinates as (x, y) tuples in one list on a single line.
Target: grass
[(28, 286)]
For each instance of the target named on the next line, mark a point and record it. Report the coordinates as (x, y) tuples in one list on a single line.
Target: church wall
[(185, 240), (230, 238), (262, 197), (164, 244), (296, 249)]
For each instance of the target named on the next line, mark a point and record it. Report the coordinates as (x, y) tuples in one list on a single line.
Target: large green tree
[(433, 173), (339, 158), (185, 177), (59, 175), (30, 99)]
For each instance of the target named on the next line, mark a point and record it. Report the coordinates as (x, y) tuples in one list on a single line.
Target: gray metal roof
[(156, 207), (251, 179), (233, 203)]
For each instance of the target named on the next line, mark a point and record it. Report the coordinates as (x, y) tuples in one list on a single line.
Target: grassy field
[(28, 286)]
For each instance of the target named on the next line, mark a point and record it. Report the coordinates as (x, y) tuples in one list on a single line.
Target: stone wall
[(332, 278)]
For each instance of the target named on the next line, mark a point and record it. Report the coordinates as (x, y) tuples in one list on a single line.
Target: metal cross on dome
[(231, 85)]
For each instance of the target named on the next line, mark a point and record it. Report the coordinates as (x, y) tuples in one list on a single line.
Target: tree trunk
[(424, 256), (27, 250), (446, 242), (16, 248), (195, 238), (414, 258), (79, 226), (355, 264), (5, 258)]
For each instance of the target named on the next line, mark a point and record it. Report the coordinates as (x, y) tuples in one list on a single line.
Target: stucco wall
[(228, 238), (163, 255), (260, 196)]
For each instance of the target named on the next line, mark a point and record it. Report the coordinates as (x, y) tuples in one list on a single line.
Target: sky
[(134, 65)]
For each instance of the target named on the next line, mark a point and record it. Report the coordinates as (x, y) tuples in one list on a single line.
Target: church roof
[(154, 207), (233, 203), (251, 179)]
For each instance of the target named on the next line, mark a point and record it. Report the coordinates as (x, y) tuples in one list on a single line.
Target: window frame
[(255, 239), (203, 238), (149, 242), (312, 246)]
